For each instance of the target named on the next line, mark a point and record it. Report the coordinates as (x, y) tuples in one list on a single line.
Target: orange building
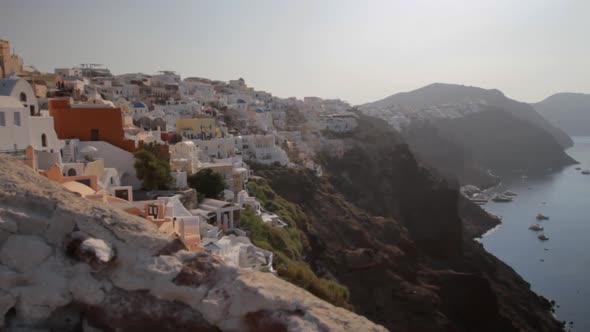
[(89, 123)]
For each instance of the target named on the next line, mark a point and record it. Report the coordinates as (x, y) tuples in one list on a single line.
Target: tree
[(152, 170), (207, 183)]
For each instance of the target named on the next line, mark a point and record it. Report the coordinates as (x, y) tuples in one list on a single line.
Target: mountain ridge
[(471, 134), (568, 110)]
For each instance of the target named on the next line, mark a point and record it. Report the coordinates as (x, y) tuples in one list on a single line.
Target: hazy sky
[(355, 50)]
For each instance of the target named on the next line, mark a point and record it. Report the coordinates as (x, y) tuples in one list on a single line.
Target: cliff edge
[(69, 264)]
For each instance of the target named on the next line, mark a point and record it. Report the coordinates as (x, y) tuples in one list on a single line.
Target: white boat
[(509, 193), (536, 227), (542, 237), (501, 198), (542, 217)]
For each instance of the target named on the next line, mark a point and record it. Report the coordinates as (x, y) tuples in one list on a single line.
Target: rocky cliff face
[(568, 111), (466, 131), (401, 240), (67, 264)]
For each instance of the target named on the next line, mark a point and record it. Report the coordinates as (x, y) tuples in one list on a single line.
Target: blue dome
[(259, 110), (138, 104), (241, 101)]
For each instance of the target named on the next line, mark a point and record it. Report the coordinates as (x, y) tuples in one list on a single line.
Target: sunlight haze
[(359, 51)]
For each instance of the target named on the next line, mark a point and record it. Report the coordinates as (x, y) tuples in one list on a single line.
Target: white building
[(218, 148), (130, 91), (137, 109), (241, 252), (114, 157), (261, 149), (22, 91), (340, 123), (165, 77), (184, 156), (69, 72), (19, 130)]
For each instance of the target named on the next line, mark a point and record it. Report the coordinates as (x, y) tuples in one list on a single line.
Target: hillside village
[(83, 126)]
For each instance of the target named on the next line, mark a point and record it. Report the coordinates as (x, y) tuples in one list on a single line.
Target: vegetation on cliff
[(288, 244)]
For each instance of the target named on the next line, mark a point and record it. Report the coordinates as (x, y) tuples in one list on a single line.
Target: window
[(44, 140), (32, 108), (71, 172), (17, 119), (23, 97), (2, 119), (94, 134), (153, 210)]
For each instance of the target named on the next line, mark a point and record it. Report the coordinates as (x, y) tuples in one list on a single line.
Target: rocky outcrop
[(68, 264)]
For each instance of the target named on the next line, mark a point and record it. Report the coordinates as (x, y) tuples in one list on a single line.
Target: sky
[(356, 50)]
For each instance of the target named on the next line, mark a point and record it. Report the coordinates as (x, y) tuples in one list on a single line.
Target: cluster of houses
[(81, 126)]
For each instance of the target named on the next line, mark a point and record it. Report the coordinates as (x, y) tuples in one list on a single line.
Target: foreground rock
[(67, 264)]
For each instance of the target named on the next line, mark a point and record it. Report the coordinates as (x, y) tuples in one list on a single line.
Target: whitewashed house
[(19, 130)]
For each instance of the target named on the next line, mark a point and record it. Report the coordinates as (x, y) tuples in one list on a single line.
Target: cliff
[(464, 132), (401, 240), (68, 264), (568, 111)]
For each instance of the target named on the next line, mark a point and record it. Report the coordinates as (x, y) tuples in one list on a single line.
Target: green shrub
[(287, 244)]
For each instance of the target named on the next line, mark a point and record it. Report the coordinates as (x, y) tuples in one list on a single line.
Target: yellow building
[(9, 63), (202, 127)]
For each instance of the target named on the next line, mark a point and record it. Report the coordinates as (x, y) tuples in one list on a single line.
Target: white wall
[(23, 86), (116, 158), (14, 137)]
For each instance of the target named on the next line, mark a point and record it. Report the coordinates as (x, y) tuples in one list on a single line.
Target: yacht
[(509, 193), (536, 227), (542, 237), (586, 172), (542, 217)]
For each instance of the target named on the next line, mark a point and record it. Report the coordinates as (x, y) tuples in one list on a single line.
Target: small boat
[(578, 168), (542, 217), (501, 198), (509, 193), (479, 200), (542, 237), (536, 227), (586, 172)]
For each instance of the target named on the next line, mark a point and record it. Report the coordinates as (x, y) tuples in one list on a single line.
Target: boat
[(542, 237), (536, 227), (501, 198), (479, 200), (578, 168), (542, 217), (509, 193), (586, 172)]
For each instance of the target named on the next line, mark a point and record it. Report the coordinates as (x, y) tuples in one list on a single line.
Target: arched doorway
[(44, 140), (71, 172)]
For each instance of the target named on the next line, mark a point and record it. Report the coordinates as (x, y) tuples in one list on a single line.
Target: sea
[(558, 268)]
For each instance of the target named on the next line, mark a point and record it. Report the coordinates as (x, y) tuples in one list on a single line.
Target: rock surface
[(416, 267), (68, 263)]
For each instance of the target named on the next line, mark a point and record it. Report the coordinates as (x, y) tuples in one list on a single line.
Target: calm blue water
[(564, 274)]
